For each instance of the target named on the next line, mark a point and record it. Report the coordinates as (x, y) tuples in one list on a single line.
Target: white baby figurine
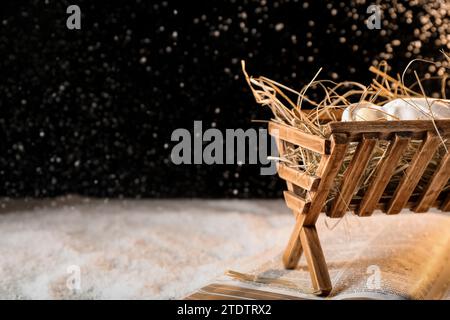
[(363, 111), (417, 109)]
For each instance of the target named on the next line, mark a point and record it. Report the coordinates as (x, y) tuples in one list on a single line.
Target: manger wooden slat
[(281, 151), (382, 176), (434, 187), (304, 237), (297, 137), (316, 261), (293, 250), (298, 177), (328, 168), (413, 173), (352, 177), (411, 126), (296, 203), (446, 204)]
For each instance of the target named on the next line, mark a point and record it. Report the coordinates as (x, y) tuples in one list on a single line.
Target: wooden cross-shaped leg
[(305, 239), (293, 251)]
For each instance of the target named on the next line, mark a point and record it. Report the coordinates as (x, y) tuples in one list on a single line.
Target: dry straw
[(300, 110)]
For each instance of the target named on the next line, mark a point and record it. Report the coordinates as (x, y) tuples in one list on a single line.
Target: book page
[(381, 257)]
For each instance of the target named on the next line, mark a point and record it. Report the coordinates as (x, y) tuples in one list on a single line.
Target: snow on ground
[(129, 249)]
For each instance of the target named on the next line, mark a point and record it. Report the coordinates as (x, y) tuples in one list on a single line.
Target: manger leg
[(293, 251), (316, 261)]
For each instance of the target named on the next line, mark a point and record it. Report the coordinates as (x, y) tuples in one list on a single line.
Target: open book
[(380, 257)]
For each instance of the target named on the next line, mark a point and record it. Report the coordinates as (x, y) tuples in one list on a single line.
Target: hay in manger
[(374, 160)]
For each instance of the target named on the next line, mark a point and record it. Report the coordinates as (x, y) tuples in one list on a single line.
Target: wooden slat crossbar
[(299, 138), (382, 176), (352, 177), (298, 177), (295, 202), (434, 187), (408, 126), (414, 172), (328, 169), (307, 194)]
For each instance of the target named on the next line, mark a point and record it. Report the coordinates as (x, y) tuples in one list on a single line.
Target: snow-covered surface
[(137, 249), (134, 249)]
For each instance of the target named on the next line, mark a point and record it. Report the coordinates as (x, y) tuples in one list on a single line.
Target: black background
[(91, 111)]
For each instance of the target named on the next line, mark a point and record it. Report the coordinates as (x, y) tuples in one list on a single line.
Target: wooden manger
[(366, 135)]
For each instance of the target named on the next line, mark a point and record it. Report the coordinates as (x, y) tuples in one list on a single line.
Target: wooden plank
[(446, 204), (298, 177), (382, 176), (434, 187), (352, 177), (355, 127), (316, 261), (413, 173), (297, 137), (294, 249), (328, 168), (296, 203), (282, 150)]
